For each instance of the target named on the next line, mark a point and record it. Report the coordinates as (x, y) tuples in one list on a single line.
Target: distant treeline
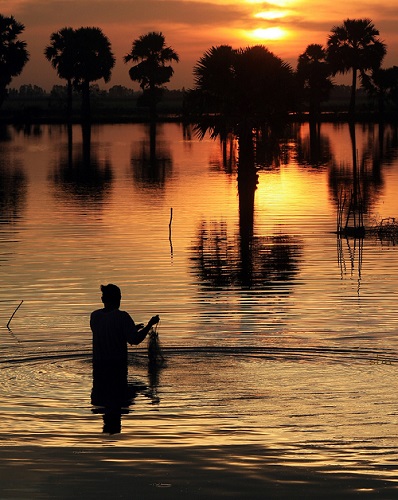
[(122, 104), (31, 103)]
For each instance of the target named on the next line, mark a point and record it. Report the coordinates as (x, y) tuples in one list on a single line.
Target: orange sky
[(191, 27)]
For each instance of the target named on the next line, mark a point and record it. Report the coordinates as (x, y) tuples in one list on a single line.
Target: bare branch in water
[(171, 220), (13, 314)]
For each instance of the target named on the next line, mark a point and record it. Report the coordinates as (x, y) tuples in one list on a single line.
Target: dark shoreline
[(115, 118)]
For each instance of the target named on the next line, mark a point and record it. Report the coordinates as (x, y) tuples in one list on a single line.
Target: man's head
[(111, 295)]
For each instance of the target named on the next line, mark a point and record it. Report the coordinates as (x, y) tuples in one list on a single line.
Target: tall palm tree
[(241, 90), (213, 98), (81, 56), (61, 53), (355, 46), (264, 87), (93, 60), (13, 52), (313, 72), (152, 70)]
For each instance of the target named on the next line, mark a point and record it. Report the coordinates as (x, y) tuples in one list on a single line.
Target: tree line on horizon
[(235, 89)]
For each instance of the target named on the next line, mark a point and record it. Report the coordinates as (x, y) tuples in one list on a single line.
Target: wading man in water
[(112, 330)]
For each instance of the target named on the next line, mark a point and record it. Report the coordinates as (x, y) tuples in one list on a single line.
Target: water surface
[(278, 335)]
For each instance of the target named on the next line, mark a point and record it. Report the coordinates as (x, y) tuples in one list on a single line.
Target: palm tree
[(151, 71), (93, 60), (13, 53), (383, 84), (354, 46), (313, 72), (214, 72), (81, 56), (241, 90), (264, 87), (213, 98), (61, 53)]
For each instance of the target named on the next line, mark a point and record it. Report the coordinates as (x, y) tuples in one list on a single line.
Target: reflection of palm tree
[(314, 150), (226, 159), (12, 193), (152, 163), (151, 55), (13, 52), (266, 264), (247, 261), (80, 175), (354, 46), (357, 186)]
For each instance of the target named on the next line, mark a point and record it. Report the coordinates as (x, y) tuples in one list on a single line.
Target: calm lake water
[(277, 334)]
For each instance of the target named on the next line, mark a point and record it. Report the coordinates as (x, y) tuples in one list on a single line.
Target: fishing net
[(155, 354)]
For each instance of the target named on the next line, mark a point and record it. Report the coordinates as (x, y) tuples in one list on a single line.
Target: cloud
[(95, 12)]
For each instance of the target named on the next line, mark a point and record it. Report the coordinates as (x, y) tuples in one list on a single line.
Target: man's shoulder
[(96, 312), (114, 312), (125, 315)]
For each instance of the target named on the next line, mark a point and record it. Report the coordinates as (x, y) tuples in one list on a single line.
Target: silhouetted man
[(112, 330)]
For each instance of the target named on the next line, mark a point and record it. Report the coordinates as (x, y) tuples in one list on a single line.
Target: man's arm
[(137, 333)]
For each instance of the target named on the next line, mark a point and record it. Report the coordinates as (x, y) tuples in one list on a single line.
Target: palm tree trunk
[(3, 95), (69, 101), (353, 92), (152, 103), (86, 108)]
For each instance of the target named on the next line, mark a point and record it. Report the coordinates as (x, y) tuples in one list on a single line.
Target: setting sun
[(274, 33), (270, 14)]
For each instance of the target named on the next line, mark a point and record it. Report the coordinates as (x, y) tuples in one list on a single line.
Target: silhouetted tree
[(81, 56), (212, 100), (61, 53), (151, 71), (93, 60), (241, 90), (383, 85), (354, 46), (313, 72), (214, 77), (13, 52)]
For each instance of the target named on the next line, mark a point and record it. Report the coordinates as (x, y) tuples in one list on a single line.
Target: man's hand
[(154, 320)]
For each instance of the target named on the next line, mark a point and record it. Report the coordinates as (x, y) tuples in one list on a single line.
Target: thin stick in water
[(171, 220), (13, 314)]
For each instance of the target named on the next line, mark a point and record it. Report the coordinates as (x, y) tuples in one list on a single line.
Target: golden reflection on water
[(76, 228), (257, 269)]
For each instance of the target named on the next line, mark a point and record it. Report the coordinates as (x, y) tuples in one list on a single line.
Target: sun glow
[(274, 33), (276, 3), (271, 14)]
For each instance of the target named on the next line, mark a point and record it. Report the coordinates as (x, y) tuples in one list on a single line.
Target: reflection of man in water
[(112, 330)]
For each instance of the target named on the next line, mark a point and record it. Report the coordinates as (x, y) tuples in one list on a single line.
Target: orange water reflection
[(79, 217)]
